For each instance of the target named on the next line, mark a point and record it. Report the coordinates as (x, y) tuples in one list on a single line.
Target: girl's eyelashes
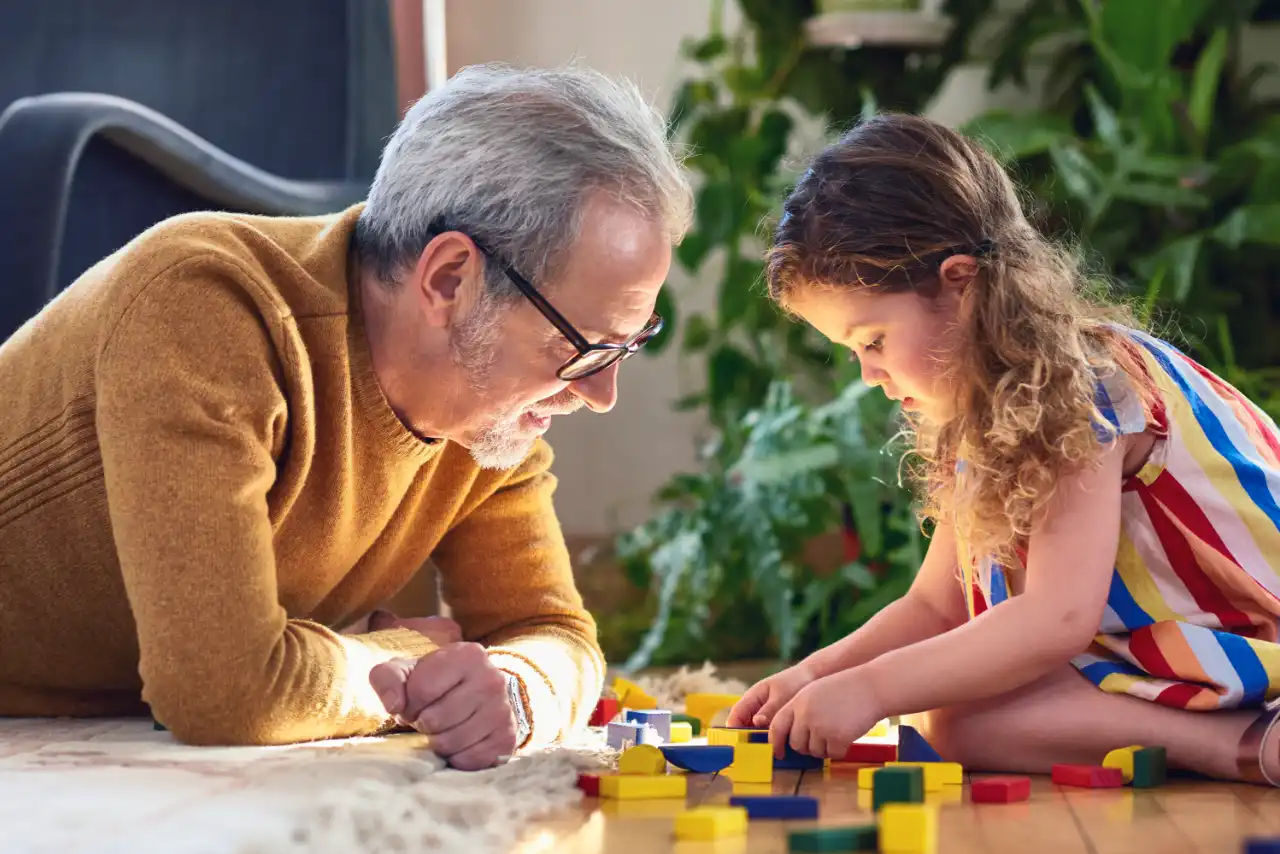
[(874, 345)]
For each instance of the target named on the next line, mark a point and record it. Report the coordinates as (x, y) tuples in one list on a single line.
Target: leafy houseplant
[(1155, 151)]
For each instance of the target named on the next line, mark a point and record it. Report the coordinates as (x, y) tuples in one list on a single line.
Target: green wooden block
[(695, 723), (897, 785), (159, 727), (1150, 767), (861, 838)]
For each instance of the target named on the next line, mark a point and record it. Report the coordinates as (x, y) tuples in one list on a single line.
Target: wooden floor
[(1183, 816)]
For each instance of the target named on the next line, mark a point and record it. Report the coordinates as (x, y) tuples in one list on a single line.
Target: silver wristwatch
[(517, 706)]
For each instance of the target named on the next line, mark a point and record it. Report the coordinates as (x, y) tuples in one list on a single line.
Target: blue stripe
[(1122, 602), (1100, 670), (999, 589), (1253, 676), (1251, 476), (1102, 400)]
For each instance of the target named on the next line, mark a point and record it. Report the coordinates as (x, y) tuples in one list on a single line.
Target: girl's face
[(901, 340)]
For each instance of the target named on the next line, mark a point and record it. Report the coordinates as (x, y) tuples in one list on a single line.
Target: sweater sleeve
[(190, 408), (507, 578)]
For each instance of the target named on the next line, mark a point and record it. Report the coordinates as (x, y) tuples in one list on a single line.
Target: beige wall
[(609, 466)]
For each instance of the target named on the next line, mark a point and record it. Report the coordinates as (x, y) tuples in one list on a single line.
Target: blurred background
[(720, 511)]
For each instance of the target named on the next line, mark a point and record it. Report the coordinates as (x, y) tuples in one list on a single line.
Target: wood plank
[(1211, 815), (1043, 824)]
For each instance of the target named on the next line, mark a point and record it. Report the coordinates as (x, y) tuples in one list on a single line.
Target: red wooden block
[(1088, 776), (605, 711), (590, 783), (1000, 790), (870, 753)]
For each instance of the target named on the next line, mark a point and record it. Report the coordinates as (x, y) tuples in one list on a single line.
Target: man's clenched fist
[(457, 697)]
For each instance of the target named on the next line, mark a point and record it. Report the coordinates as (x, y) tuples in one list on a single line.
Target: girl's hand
[(763, 700), (826, 716)]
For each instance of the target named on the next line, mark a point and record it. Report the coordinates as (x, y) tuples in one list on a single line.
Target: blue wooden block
[(699, 758), (659, 719), (777, 806), (1259, 845), (794, 760), (913, 748)]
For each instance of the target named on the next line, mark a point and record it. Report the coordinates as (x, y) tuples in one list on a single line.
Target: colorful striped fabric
[(1194, 608)]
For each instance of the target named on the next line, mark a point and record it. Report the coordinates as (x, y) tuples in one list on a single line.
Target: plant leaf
[(715, 211), (693, 250), (697, 333), (1159, 195), (1204, 82), (665, 305), (1105, 121), (1010, 136), (1250, 224)]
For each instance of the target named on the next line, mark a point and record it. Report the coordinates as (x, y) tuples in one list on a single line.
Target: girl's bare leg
[(1064, 718)]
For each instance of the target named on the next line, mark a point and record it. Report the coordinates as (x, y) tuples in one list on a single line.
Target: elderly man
[(238, 435)]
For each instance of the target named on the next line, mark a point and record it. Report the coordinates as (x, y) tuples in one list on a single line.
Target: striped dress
[(1194, 607)]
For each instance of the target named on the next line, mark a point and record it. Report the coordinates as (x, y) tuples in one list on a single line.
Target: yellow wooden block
[(1122, 759), (880, 729), (681, 731), (704, 706), (632, 696), (622, 686), (752, 763), (642, 759), (909, 828), (711, 822), (722, 735), (866, 777), (637, 786), (937, 774)]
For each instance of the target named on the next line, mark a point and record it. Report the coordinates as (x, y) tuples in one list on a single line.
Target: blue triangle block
[(913, 748), (699, 758)]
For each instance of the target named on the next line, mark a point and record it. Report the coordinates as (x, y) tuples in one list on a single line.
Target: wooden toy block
[(622, 735), (605, 711), (590, 784), (732, 735), (705, 706), (1000, 790), (758, 737), (1261, 845), (621, 687), (794, 760), (870, 753), (866, 777), (1087, 776), (936, 774), (1150, 767), (752, 763), (638, 787), (659, 719), (822, 839), (694, 723), (880, 729), (681, 732), (901, 785), (913, 748), (711, 823), (699, 758), (909, 828), (1122, 759), (642, 759), (777, 806), (638, 699)]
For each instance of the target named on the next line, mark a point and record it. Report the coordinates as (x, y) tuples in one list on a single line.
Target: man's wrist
[(519, 708)]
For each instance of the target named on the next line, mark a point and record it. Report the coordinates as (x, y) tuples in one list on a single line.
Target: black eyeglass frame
[(585, 348)]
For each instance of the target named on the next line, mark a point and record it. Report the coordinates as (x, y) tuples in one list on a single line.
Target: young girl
[(1105, 566)]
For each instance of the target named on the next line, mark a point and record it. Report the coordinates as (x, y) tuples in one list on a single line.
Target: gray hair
[(509, 157)]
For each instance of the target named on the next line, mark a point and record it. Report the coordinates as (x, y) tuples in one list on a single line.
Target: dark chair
[(121, 113)]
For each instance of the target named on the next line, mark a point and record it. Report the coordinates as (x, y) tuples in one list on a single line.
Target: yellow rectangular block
[(937, 774), (705, 706), (1122, 759), (866, 777), (721, 735), (632, 696), (752, 763), (711, 822), (909, 828), (637, 786), (681, 731)]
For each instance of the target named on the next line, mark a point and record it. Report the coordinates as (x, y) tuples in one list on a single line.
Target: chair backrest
[(301, 88)]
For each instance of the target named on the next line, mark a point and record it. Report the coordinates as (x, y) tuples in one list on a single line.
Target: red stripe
[(1179, 552), (1178, 695), (1143, 647), (979, 601), (1228, 390)]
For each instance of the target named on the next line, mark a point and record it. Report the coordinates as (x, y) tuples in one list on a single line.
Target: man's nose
[(598, 391)]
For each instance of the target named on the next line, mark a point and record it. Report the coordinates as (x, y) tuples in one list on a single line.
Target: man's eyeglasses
[(590, 358)]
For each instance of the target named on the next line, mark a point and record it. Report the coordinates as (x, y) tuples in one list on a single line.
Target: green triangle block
[(897, 785), (861, 838), (1150, 767)]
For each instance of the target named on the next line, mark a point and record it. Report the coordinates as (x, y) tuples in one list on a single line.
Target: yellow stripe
[(1136, 577), (1269, 657)]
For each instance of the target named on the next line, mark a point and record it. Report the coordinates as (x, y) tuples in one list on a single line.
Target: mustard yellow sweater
[(200, 480)]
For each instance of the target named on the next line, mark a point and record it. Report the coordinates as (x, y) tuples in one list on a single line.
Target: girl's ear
[(957, 272)]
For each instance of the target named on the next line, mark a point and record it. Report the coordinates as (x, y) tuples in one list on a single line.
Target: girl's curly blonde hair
[(880, 209)]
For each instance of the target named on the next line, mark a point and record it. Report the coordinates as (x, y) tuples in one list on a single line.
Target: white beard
[(504, 445)]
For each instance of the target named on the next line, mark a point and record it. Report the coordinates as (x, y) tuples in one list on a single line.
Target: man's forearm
[(561, 672), (906, 621)]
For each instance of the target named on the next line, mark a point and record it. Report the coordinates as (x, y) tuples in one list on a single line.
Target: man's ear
[(447, 265)]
